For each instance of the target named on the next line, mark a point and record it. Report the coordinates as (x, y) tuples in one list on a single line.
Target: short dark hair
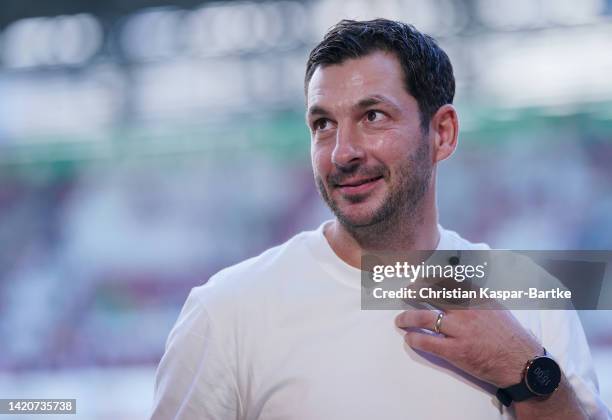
[(428, 72)]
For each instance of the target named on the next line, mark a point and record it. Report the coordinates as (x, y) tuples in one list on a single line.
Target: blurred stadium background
[(146, 144)]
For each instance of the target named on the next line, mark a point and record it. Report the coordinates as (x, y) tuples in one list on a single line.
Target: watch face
[(543, 376)]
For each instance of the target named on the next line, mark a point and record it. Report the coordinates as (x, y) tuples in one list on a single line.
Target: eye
[(321, 124), (373, 116)]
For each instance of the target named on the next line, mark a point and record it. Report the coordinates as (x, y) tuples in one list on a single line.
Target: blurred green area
[(281, 135)]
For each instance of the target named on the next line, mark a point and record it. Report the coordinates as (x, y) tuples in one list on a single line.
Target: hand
[(488, 344)]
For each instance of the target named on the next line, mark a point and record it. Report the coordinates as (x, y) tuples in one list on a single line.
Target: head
[(379, 97)]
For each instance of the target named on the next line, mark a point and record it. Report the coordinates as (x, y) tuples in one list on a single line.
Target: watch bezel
[(530, 366)]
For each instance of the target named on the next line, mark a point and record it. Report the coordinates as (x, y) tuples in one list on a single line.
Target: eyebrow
[(364, 103), (376, 100), (316, 110)]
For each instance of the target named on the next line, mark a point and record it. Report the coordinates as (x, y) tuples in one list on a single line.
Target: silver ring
[(438, 323)]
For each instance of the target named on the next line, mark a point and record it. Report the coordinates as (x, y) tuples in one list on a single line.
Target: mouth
[(359, 186)]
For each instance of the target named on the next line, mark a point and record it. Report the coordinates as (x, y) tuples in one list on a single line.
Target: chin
[(363, 216)]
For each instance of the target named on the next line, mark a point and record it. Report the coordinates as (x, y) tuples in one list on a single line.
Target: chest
[(355, 365)]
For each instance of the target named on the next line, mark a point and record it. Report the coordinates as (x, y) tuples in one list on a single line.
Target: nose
[(348, 150)]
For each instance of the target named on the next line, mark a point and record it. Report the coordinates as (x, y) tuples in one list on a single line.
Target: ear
[(444, 126)]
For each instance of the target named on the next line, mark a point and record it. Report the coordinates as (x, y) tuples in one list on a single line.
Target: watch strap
[(503, 397), (518, 392)]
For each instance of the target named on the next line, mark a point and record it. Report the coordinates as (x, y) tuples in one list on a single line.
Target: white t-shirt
[(283, 336)]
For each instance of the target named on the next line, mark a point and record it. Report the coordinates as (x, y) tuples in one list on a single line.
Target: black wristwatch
[(541, 378)]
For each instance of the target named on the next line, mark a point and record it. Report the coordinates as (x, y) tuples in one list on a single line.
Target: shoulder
[(258, 275), (280, 257)]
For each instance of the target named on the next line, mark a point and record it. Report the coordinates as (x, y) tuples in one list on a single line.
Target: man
[(283, 336)]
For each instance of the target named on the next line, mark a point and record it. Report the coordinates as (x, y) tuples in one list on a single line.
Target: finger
[(417, 318), (426, 319), (430, 343)]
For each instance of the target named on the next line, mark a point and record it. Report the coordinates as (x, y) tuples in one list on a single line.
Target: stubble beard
[(400, 206)]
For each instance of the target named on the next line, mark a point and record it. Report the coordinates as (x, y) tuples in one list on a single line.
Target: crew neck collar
[(339, 269)]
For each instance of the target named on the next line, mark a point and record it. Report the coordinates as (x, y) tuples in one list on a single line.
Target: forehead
[(378, 73)]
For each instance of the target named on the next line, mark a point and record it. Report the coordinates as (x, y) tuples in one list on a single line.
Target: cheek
[(387, 148), (321, 160), (380, 142), (394, 144)]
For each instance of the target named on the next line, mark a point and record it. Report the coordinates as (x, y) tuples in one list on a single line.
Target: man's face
[(370, 157)]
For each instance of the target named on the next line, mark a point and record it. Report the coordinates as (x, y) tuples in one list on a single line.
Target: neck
[(417, 230)]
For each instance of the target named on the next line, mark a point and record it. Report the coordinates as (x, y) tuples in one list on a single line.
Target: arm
[(570, 349), (195, 379), (562, 404), (493, 346)]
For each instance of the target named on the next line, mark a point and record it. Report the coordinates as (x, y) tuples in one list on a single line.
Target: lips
[(358, 182), (358, 187)]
